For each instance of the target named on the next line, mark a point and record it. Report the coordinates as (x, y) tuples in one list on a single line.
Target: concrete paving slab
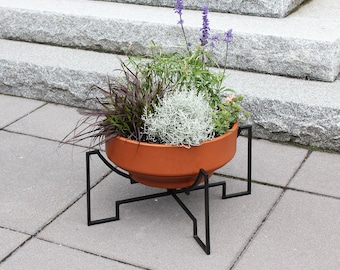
[(38, 254), (158, 232), (302, 233), (320, 174), (272, 163), (9, 241), (13, 108), (38, 180), (51, 122)]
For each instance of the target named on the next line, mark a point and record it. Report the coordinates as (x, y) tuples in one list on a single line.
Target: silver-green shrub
[(180, 118)]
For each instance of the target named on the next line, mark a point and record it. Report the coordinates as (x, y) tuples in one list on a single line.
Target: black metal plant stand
[(173, 192)]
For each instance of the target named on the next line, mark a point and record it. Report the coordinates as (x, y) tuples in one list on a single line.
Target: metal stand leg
[(249, 155), (206, 246), (173, 192), (88, 186)]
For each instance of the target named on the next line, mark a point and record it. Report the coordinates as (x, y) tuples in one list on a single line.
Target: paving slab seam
[(30, 135), (51, 221), (313, 193), (256, 231), (44, 138), (13, 230), (23, 116), (271, 210), (71, 204), (81, 250), (15, 250), (39, 230), (290, 188), (94, 254), (275, 186)]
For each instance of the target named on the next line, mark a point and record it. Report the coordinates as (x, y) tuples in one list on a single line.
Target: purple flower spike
[(178, 9), (228, 36), (205, 27), (214, 39)]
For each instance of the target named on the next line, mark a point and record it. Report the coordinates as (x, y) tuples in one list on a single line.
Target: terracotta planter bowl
[(167, 166)]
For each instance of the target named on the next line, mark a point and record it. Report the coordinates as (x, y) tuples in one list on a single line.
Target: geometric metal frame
[(173, 192)]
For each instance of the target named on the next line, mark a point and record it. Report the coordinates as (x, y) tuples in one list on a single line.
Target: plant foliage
[(180, 118), (148, 91)]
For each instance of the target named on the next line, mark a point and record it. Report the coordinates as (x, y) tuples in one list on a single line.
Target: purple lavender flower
[(178, 9), (228, 36), (214, 38), (205, 27)]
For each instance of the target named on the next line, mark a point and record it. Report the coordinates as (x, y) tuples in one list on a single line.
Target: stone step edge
[(290, 111), (303, 56), (265, 8)]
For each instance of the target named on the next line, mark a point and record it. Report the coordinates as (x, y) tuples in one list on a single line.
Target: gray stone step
[(303, 45), (267, 8), (285, 109)]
